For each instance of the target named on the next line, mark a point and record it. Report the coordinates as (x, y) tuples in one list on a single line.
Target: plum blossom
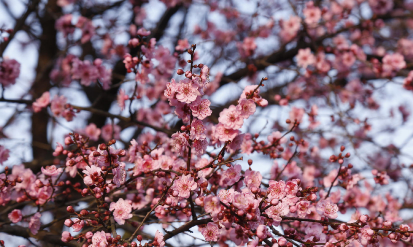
[(246, 107), (312, 14), (66, 237), (51, 171), (9, 71), (41, 102), (276, 190), (122, 97), (184, 185), (99, 239), (210, 232), (200, 108), (119, 174), (179, 142), (326, 208), (121, 210), (197, 130), (187, 92), (225, 134), (34, 224), (231, 175), (159, 239), (4, 154), (252, 179), (231, 118), (92, 174), (92, 132), (212, 205), (275, 212), (15, 216), (303, 208), (305, 58)]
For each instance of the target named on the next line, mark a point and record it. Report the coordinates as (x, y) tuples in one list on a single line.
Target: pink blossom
[(122, 97), (92, 174), (252, 179), (226, 196), (366, 234), (199, 146), (51, 171), (35, 223), (248, 46), (85, 71), (292, 25), (262, 231), (305, 58), (15, 216), (184, 185), (66, 237), (99, 239), (64, 24), (210, 232), (78, 225), (198, 130), (246, 107), (143, 32), (326, 208), (41, 102), (179, 142), (159, 239), (44, 194), (121, 210), (88, 30), (187, 92), (381, 6), (275, 212), (312, 15), (92, 132), (4, 154), (119, 174), (276, 190), (200, 108), (212, 205), (235, 145), (231, 175), (9, 71), (110, 131), (231, 118), (225, 134), (58, 105), (182, 45), (393, 62), (303, 208)]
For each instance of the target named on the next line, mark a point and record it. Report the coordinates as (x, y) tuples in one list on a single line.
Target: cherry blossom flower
[(64, 24), (184, 185), (41, 102), (78, 225), (199, 146), (58, 105), (210, 232), (110, 131), (35, 223), (51, 171), (121, 210), (312, 14), (15, 216)]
